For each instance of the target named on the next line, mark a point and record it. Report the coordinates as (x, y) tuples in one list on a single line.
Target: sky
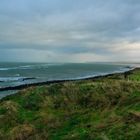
[(70, 30)]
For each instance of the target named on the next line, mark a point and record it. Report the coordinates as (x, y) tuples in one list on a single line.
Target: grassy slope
[(101, 109)]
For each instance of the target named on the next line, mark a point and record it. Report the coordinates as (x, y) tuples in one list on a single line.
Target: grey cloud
[(70, 27)]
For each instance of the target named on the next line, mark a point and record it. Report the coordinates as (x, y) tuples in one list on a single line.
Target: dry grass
[(103, 109)]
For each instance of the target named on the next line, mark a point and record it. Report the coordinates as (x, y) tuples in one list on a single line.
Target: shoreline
[(24, 86), (83, 109)]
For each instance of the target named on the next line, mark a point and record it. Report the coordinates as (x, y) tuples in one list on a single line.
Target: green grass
[(103, 109)]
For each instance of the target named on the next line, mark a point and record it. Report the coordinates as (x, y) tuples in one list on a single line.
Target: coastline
[(107, 105), (25, 86)]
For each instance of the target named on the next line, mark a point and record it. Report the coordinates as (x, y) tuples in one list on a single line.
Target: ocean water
[(13, 74)]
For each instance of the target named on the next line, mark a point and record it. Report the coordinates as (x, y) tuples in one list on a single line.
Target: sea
[(14, 74)]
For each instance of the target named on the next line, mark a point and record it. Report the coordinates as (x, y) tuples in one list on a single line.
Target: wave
[(14, 68), (13, 79), (6, 69), (30, 66), (25, 85)]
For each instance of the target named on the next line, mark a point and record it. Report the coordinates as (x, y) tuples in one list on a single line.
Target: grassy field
[(100, 109)]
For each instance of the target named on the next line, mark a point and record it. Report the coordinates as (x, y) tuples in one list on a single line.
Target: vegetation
[(106, 108)]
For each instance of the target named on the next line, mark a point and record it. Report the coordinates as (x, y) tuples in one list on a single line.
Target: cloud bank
[(70, 30)]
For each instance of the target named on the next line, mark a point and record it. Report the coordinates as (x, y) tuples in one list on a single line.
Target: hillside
[(105, 108)]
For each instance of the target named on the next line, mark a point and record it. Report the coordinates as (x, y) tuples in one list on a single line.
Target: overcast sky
[(69, 30)]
